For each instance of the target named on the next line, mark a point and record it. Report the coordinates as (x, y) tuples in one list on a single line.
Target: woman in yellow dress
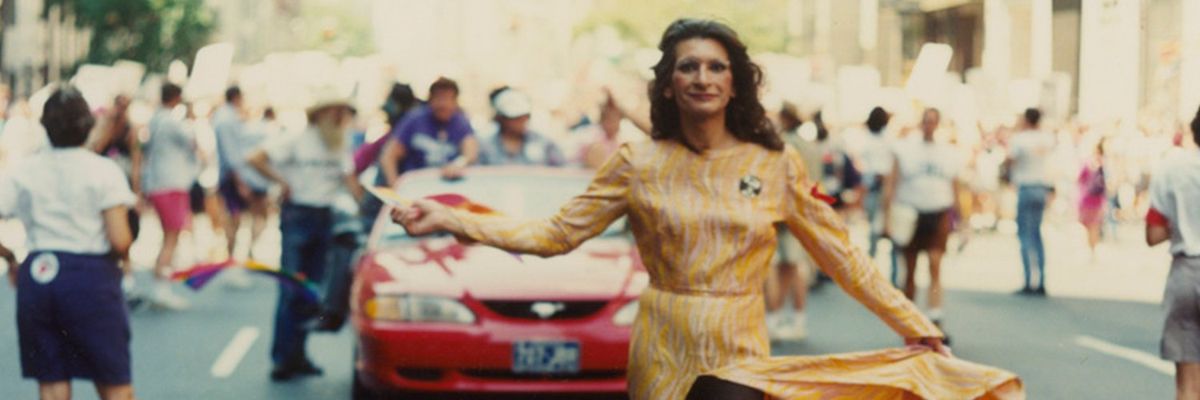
[(702, 199)]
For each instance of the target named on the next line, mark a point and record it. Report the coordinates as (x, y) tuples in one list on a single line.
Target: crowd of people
[(913, 186)]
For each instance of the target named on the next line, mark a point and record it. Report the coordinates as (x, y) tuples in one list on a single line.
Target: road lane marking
[(234, 352), (1145, 359)]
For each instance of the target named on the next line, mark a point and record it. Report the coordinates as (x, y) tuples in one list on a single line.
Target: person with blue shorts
[(71, 317)]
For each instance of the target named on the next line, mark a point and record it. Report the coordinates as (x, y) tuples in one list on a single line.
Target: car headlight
[(626, 315), (417, 308)]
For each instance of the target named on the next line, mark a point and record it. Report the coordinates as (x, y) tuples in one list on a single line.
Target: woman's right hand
[(424, 217), (13, 267)]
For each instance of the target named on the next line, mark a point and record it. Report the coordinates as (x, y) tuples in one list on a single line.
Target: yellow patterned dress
[(704, 224)]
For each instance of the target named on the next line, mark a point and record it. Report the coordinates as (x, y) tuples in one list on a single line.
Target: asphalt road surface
[(1062, 348)]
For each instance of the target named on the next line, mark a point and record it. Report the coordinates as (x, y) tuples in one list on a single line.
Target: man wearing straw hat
[(311, 168)]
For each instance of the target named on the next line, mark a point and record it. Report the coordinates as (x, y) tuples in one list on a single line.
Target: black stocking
[(708, 387)]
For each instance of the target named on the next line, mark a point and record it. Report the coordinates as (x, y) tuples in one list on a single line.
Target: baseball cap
[(512, 104)]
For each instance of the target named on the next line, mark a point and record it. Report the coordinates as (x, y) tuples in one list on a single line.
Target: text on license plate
[(545, 357)]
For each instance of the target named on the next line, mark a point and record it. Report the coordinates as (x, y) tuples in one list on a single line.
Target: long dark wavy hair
[(744, 116)]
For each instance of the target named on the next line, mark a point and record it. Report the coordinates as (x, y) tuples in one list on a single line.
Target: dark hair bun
[(67, 118)]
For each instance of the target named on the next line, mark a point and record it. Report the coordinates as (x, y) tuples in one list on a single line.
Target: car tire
[(358, 391)]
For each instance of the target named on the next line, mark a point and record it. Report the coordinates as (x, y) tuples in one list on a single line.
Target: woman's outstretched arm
[(826, 239), (581, 218)]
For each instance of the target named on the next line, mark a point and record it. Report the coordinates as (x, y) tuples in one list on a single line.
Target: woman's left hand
[(932, 343)]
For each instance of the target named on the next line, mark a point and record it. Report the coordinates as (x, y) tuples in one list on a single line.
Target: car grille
[(528, 309), (501, 374)]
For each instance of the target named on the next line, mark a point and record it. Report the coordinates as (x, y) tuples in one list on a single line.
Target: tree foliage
[(153, 32)]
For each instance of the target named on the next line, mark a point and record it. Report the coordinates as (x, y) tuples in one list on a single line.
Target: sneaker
[(778, 326), (772, 322), (165, 298), (238, 278), (799, 327), (1025, 291), (792, 328)]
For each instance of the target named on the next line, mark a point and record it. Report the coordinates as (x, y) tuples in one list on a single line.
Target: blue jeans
[(1031, 206), (306, 232), (873, 204)]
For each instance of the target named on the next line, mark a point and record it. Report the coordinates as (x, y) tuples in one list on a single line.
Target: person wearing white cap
[(312, 168), (514, 143)]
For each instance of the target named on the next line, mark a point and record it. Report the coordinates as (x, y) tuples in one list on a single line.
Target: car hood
[(599, 269)]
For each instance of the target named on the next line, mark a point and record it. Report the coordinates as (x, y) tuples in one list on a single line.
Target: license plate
[(545, 357)]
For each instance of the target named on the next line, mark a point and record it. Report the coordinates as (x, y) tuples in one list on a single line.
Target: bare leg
[(910, 279), (59, 390), (774, 289), (166, 255), (935, 281), (1093, 232), (258, 219), (115, 392), (1187, 381), (799, 286), (232, 224)]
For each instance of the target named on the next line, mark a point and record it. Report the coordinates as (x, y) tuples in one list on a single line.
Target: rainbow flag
[(200, 275)]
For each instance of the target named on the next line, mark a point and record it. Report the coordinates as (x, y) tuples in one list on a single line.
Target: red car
[(433, 316)]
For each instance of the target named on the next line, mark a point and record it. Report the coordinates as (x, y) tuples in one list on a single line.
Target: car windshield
[(518, 196)]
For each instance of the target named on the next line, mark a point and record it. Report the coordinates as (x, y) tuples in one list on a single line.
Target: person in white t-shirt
[(877, 158), (925, 179), (312, 168), (169, 169), (1029, 153), (1175, 216), (71, 317)]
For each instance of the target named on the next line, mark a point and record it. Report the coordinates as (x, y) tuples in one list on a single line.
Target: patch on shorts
[(750, 186), (44, 268)]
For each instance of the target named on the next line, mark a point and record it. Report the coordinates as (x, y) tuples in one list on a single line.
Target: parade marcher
[(605, 137), (235, 140), (1093, 193), (117, 140), (702, 199), (1174, 199), (514, 143), (1028, 153), (437, 135), (311, 167), (924, 179), (791, 264), (877, 160), (399, 102), (434, 135), (71, 316), (169, 172)]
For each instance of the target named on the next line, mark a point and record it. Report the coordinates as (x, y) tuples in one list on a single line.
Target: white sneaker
[(773, 323), (799, 327), (792, 328), (165, 298), (237, 278)]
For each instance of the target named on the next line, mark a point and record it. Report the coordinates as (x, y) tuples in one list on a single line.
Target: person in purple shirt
[(437, 135)]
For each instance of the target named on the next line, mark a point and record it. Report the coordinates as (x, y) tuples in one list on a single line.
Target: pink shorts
[(173, 208)]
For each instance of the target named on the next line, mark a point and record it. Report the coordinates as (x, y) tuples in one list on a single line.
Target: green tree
[(153, 32)]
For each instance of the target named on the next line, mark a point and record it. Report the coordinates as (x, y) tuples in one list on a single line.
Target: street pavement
[(1096, 337)]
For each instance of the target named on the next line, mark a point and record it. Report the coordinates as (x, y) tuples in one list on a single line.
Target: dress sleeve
[(824, 236), (582, 218)]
